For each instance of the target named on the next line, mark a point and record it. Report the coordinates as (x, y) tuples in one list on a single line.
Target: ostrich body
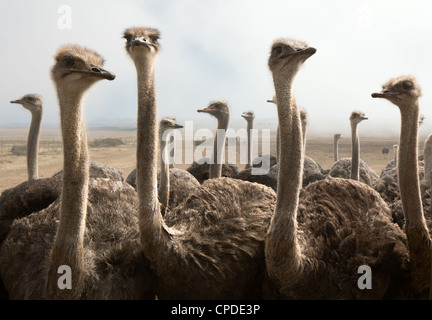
[(404, 92), (203, 248), (354, 168), (320, 236), (105, 259), (33, 103)]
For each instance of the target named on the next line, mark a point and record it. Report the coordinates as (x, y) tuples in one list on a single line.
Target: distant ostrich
[(175, 185), (312, 171), (212, 245), (336, 138), (273, 100), (263, 174), (404, 92), (385, 150), (105, 258), (427, 156), (213, 168), (354, 168), (249, 116), (319, 236), (33, 103)]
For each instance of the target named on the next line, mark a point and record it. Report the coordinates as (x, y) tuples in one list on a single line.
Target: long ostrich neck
[(277, 144), (172, 152), (283, 229), (150, 218), (69, 240), (304, 127), (416, 229), (427, 154), (335, 149), (355, 152), (164, 179), (33, 145), (395, 160), (218, 148), (249, 143)]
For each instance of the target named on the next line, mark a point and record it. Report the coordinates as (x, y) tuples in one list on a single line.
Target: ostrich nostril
[(96, 70)]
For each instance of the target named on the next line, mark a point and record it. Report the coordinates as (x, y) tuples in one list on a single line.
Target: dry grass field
[(13, 167)]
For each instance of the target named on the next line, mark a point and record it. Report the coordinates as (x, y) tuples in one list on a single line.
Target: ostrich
[(320, 235), (312, 171), (336, 138), (175, 185), (213, 168), (249, 116), (252, 173), (212, 245), (404, 92), (354, 168), (33, 103), (273, 100), (104, 259), (427, 156)]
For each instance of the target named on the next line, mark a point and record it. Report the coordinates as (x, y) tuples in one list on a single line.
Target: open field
[(123, 157)]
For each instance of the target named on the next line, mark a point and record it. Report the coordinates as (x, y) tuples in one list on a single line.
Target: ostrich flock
[(212, 232)]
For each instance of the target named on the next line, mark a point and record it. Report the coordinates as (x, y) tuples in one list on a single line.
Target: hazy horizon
[(218, 50)]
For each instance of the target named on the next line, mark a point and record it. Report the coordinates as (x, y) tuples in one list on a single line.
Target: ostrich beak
[(16, 101), (177, 126), (271, 101), (205, 110), (97, 72), (105, 74), (307, 52), (384, 94)]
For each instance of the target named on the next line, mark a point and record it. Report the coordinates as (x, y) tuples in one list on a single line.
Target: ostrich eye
[(30, 99), (128, 37), (277, 50), (68, 63), (407, 85)]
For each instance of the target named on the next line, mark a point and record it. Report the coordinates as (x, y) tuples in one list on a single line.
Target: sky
[(218, 49)]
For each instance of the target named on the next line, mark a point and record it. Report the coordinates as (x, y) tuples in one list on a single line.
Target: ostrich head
[(32, 102), (142, 42), (248, 115), (168, 123), (288, 55), (272, 100), (402, 91), (77, 68), (357, 117), (337, 136), (219, 109)]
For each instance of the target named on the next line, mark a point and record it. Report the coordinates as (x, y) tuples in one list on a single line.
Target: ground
[(123, 157)]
